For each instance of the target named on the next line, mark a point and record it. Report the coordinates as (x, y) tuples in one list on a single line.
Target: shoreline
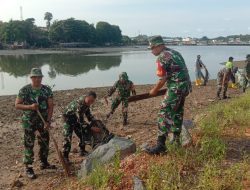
[(91, 50), (97, 88), (86, 51)]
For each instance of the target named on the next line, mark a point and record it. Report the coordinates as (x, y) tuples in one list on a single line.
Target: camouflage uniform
[(220, 76), (171, 65), (74, 121), (31, 122), (247, 77), (171, 68), (123, 90)]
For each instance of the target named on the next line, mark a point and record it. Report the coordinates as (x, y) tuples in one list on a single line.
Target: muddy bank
[(142, 128), (86, 51)]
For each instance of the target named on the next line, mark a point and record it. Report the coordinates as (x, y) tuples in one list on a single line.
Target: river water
[(69, 71)]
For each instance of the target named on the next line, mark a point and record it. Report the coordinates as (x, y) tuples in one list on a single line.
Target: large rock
[(186, 138), (105, 153)]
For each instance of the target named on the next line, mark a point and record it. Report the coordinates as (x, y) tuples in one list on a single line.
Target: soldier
[(33, 97), (223, 78), (247, 75), (124, 86), (74, 121), (171, 68)]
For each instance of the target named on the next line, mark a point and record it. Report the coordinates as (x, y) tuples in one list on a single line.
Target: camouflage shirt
[(30, 95), (79, 108), (171, 65), (248, 68), (123, 89)]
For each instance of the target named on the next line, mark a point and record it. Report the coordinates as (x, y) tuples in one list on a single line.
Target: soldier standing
[(223, 78), (74, 121), (33, 97), (171, 68), (124, 87)]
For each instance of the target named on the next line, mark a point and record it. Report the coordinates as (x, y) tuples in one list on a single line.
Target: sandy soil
[(142, 128)]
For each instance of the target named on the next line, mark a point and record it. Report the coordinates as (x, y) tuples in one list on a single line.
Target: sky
[(185, 18)]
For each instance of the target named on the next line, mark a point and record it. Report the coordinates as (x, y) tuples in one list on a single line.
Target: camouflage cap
[(155, 41), (123, 76), (36, 72)]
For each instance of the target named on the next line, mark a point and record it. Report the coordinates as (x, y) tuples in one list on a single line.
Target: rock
[(17, 183), (188, 124), (138, 184), (144, 146), (105, 153), (186, 138)]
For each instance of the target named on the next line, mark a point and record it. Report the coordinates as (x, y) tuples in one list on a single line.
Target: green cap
[(155, 41), (36, 72), (123, 76)]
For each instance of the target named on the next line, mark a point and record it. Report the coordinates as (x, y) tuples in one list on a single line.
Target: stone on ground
[(105, 153)]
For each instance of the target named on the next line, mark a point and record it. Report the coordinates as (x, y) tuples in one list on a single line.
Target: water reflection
[(72, 65)]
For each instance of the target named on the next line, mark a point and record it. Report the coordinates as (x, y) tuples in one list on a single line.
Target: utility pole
[(21, 13)]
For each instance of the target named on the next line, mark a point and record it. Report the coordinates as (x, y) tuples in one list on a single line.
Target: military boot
[(224, 94), (159, 148), (46, 165), (125, 118), (218, 94), (83, 152), (66, 157), (30, 172)]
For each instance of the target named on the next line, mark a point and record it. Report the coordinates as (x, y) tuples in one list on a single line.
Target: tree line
[(60, 31)]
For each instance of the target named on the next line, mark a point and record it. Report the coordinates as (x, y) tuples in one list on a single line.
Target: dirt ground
[(142, 128)]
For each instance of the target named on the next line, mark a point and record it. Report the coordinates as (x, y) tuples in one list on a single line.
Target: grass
[(103, 175), (204, 165)]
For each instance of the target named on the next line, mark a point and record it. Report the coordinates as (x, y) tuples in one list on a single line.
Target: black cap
[(230, 58), (248, 55)]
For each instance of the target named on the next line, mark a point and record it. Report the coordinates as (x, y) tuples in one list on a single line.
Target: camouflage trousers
[(30, 131), (71, 125), (116, 102), (245, 83), (220, 86), (170, 116)]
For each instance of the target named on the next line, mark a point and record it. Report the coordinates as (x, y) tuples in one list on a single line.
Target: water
[(80, 71)]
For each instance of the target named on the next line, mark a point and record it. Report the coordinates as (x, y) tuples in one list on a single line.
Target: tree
[(108, 34), (71, 30), (48, 17), (204, 38), (126, 40)]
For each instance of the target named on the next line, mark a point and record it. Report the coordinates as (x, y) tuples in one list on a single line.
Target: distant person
[(247, 73), (223, 78), (33, 97), (229, 64), (123, 87), (74, 121), (172, 71), (198, 73)]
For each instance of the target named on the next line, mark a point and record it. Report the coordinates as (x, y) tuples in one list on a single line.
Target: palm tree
[(48, 16)]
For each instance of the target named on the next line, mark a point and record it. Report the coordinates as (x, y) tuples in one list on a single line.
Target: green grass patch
[(103, 175), (202, 167)]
